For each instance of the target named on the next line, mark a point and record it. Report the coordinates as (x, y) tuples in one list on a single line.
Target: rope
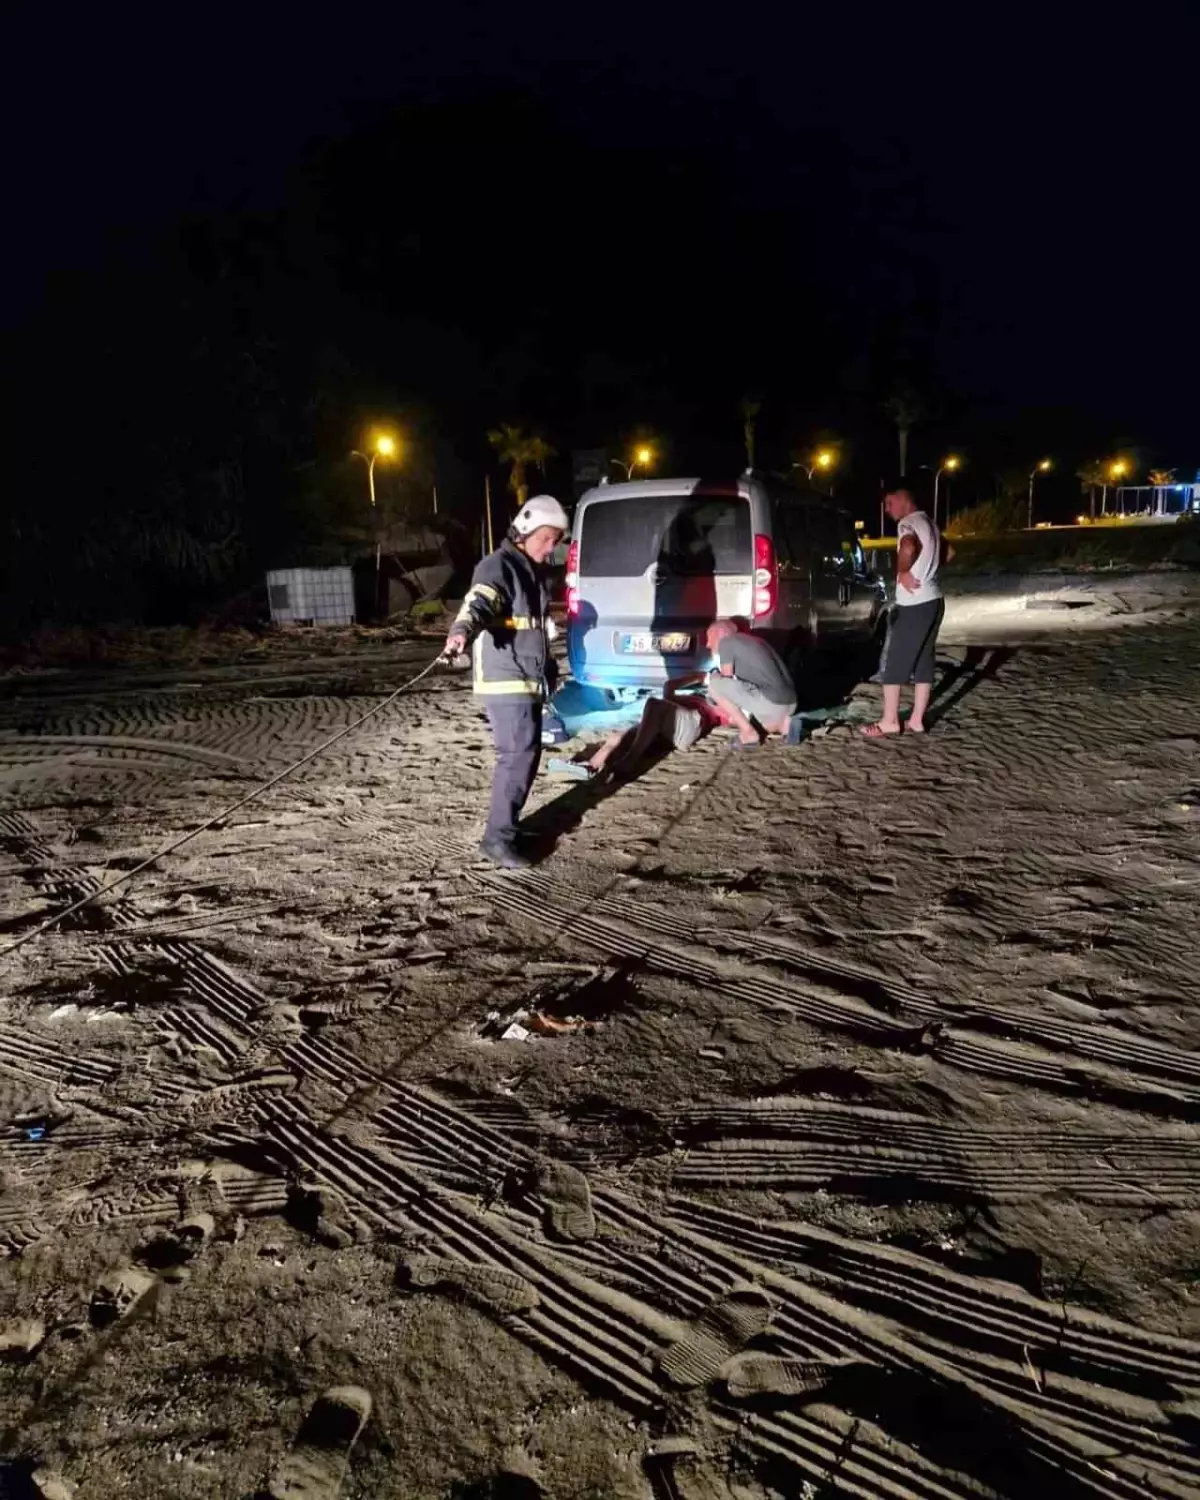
[(178, 843)]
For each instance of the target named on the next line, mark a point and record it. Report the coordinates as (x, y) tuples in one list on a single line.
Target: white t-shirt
[(929, 559)]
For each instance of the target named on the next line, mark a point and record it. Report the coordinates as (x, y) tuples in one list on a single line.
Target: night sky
[(599, 219)]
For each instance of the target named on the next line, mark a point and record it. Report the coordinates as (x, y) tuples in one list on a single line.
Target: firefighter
[(504, 623)]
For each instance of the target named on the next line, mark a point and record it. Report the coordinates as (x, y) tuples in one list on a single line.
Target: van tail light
[(573, 580), (765, 581)]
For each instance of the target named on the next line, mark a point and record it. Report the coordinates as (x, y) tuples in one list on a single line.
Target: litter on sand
[(523, 1025)]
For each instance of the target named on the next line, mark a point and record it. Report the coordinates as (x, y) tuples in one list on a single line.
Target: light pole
[(384, 447), (948, 466), (824, 461), (1115, 471), (643, 456), (1042, 468)]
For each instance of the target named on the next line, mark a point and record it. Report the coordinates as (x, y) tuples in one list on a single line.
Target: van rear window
[(686, 535)]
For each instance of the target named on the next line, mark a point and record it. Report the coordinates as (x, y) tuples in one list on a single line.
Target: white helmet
[(541, 510)]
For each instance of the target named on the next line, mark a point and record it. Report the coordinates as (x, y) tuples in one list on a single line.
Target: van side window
[(785, 549), (826, 536), (851, 547), (796, 526)]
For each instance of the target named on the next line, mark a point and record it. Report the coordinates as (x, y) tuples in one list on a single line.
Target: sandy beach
[(813, 1123)]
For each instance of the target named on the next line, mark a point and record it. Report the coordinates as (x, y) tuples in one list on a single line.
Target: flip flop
[(576, 770), (873, 732), (747, 745)]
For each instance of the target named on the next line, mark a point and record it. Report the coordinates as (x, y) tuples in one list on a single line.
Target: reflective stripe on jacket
[(504, 618)]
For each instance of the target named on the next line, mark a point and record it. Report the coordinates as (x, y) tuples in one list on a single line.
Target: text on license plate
[(645, 644)]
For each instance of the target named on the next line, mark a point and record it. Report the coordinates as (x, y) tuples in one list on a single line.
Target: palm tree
[(905, 409), (1092, 476), (751, 406), (519, 450)]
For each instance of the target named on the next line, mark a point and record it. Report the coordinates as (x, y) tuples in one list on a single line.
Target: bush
[(990, 518)]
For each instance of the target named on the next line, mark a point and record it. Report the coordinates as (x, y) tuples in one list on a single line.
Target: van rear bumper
[(609, 670), (649, 677)]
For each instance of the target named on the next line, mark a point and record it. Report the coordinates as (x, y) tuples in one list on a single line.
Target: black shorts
[(912, 636)]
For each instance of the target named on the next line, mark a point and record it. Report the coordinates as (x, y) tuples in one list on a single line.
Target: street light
[(1042, 468), (642, 455), (824, 460), (948, 466), (1115, 472), (384, 446)]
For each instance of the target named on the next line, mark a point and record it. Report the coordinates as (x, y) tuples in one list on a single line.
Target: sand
[(862, 1155)]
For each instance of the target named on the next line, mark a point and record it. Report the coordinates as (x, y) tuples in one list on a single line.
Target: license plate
[(645, 644)]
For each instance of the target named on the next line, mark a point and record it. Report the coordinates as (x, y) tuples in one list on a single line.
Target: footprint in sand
[(495, 1289), (47, 1485), (566, 1201), (678, 1470), (717, 1335), (320, 1457), (118, 1294), (20, 1341), (750, 1375)]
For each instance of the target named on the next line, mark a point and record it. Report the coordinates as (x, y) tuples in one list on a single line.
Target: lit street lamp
[(643, 456), (824, 460), (385, 447), (948, 466), (1042, 468), (1115, 472)]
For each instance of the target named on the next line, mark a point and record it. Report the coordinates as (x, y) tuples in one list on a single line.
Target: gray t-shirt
[(754, 661)]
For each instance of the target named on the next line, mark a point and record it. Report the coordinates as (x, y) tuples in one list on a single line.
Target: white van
[(652, 563)]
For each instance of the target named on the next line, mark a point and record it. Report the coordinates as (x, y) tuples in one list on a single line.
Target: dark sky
[(598, 214)]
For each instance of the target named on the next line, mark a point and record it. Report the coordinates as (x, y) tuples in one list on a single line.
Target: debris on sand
[(585, 1000)]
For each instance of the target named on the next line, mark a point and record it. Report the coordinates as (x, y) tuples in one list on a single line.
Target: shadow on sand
[(979, 665)]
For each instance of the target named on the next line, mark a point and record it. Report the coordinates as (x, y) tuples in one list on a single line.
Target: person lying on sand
[(664, 722), (750, 685)]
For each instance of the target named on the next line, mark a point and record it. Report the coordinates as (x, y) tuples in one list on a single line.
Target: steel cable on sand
[(219, 817)]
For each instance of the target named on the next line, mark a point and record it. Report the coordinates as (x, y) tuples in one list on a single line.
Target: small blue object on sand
[(576, 770)]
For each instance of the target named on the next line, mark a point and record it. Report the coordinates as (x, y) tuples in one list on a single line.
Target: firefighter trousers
[(517, 732)]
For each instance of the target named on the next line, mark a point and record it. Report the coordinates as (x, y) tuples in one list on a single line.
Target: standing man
[(504, 621), (916, 615)]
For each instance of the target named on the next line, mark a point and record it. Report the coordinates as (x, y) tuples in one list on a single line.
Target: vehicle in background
[(652, 563)]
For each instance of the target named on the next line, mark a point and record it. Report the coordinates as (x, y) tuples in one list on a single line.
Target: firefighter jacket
[(505, 619)]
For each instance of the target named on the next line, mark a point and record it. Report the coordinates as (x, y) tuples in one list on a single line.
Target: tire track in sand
[(1108, 1064), (781, 1144), (1089, 1354), (600, 1334)]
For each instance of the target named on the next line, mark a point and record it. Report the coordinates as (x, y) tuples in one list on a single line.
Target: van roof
[(649, 488)]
